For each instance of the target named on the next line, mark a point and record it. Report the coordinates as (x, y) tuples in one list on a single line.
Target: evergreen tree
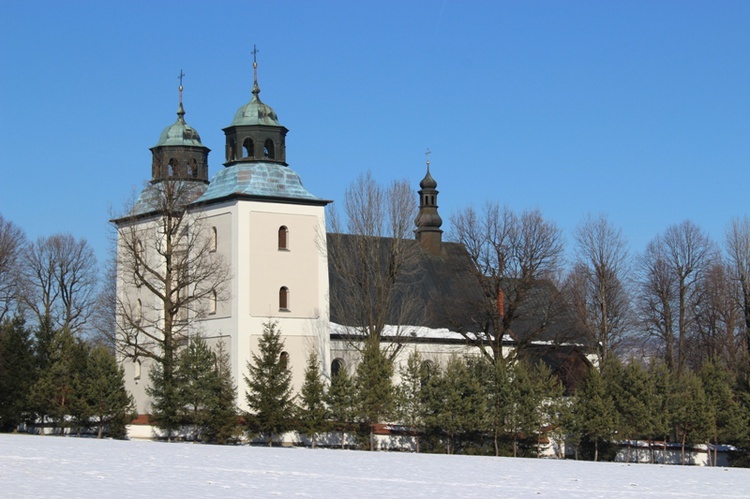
[(664, 404), (411, 409), (630, 389), (16, 373), (220, 423), (341, 402), (596, 411), (269, 383), (57, 388), (728, 424), (456, 402), (103, 388), (550, 406), (312, 412), (165, 404), (197, 382), (695, 414), (375, 393), (498, 395), (524, 400)]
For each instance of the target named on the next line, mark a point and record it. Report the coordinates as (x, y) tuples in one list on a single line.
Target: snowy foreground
[(34, 466)]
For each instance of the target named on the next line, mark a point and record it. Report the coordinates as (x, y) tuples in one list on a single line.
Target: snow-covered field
[(35, 466)]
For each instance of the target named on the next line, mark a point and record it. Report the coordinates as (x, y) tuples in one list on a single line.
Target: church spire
[(428, 222)]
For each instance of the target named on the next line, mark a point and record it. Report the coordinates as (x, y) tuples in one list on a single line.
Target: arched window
[(214, 243), (230, 151), (171, 167), (212, 302), (269, 151), (138, 312), (139, 254), (336, 366), (284, 298), (247, 147), (284, 359), (193, 168), (283, 238)]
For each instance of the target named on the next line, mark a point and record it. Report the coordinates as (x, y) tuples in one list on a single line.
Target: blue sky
[(640, 110)]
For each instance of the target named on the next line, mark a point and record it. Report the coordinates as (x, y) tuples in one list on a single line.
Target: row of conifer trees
[(470, 405), (53, 381)]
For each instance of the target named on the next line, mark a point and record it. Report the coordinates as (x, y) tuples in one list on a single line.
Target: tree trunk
[(683, 448), (343, 439), (596, 449)]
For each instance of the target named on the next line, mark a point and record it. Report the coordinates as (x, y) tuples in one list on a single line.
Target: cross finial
[(255, 62), (428, 159), (182, 75), (256, 88)]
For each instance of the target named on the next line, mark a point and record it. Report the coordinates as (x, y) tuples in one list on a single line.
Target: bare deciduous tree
[(718, 318), (670, 271), (371, 254), (168, 274), (12, 244), (516, 260), (597, 284), (738, 251), (61, 281)]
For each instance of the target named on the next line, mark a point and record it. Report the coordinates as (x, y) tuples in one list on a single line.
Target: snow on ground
[(48, 466)]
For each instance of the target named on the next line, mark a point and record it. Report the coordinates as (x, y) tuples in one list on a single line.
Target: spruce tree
[(411, 409), (663, 403), (549, 404), (498, 395), (524, 400), (374, 387), (456, 404), (197, 382), (165, 404), (630, 389), (695, 414), (596, 411), (16, 373), (728, 424), (57, 388), (110, 405), (220, 423), (341, 402), (269, 383), (312, 413)]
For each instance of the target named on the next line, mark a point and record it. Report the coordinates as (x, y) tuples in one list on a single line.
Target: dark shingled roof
[(445, 290)]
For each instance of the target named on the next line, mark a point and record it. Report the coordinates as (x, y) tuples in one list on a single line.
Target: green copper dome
[(255, 112), (180, 133)]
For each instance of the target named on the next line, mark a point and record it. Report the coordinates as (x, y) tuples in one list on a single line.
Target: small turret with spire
[(255, 134), (179, 154), (428, 221)]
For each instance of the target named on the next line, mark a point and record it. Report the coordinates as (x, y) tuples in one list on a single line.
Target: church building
[(259, 223)]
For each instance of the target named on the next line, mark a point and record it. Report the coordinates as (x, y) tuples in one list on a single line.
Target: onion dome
[(180, 133)]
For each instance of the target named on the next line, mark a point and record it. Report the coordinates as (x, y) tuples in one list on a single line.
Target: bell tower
[(255, 134), (428, 221), (179, 154)]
